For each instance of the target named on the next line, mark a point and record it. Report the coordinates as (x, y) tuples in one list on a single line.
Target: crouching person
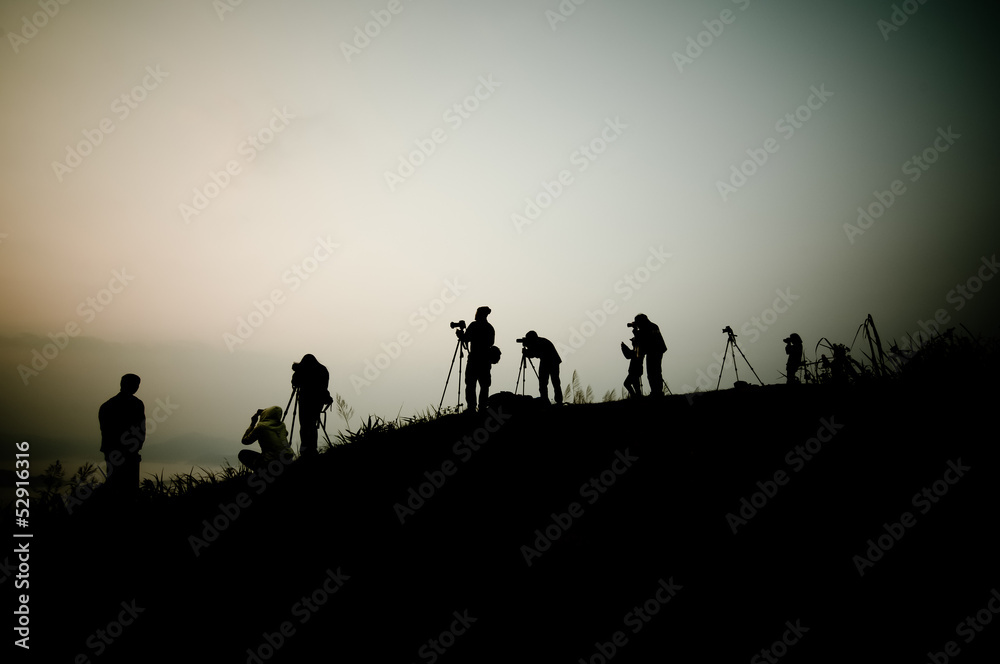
[(267, 429)]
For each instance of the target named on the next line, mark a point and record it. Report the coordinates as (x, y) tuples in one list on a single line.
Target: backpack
[(494, 355)]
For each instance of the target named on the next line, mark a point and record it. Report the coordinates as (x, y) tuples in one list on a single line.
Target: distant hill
[(693, 528)]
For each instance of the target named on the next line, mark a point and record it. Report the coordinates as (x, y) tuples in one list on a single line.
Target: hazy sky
[(201, 192)]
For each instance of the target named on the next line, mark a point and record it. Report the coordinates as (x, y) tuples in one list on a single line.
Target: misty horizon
[(202, 193)]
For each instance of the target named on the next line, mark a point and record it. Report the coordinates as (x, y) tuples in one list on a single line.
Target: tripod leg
[(722, 368), (445, 390), (291, 432), (735, 366), (284, 413), (748, 364)]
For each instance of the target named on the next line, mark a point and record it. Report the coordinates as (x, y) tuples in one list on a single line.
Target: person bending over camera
[(548, 364)]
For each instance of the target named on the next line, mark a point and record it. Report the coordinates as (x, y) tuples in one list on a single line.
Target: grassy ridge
[(660, 521)]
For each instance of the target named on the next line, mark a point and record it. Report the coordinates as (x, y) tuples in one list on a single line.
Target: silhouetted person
[(793, 348), (123, 431), (312, 381), (548, 364), (651, 349), (267, 429), (633, 381), (480, 337)]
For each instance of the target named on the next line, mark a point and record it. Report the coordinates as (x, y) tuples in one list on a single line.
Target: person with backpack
[(480, 337), (312, 380)]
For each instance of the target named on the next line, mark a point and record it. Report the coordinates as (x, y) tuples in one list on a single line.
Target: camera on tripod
[(728, 330), (460, 325), (522, 340)]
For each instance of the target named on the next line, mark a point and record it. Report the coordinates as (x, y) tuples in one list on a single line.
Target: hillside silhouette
[(658, 487)]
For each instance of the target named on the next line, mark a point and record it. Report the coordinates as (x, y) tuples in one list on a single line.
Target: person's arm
[(251, 434), (140, 435)]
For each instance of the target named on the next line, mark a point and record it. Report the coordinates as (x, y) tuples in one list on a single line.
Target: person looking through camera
[(311, 379), (548, 364), (793, 348), (652, 348)]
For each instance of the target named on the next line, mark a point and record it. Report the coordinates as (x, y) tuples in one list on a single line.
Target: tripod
[(523, 371), (731, 341), (460, 353), (294, 395), (321, 421)]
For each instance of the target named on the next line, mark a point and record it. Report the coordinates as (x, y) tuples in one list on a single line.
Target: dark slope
[(661, 524)]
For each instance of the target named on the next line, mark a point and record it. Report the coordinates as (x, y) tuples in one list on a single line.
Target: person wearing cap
[(480, 337), (548, 364), (652, 347)]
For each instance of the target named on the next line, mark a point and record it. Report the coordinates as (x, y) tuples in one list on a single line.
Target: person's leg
[(250, 459), (556, 385), (308, 418), (654, 372), (543, 381), (470, 387), (112, 478), (485, 380), (130, 476)]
